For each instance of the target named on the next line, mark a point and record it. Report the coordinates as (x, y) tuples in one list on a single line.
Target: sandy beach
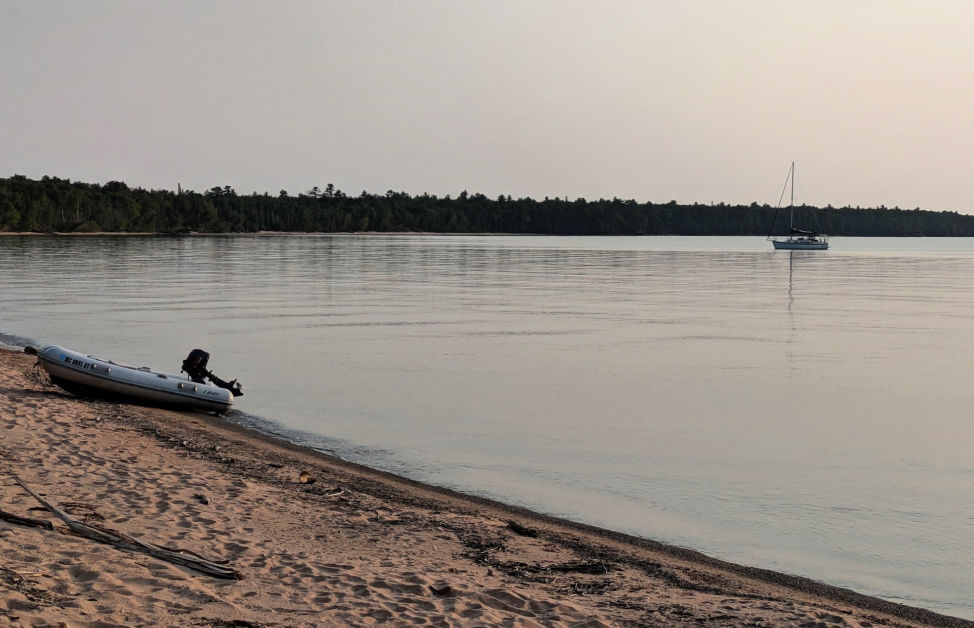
[(349, 546)]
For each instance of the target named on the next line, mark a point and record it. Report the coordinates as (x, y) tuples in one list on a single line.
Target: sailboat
[(798, 239)]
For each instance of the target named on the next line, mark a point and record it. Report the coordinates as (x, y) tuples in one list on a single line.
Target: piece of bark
[(522, 530), (26, 521)]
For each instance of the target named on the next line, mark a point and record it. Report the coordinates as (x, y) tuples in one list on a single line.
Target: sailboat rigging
[(798, 239)]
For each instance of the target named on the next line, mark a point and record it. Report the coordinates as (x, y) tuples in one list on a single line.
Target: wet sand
[(353, 547)]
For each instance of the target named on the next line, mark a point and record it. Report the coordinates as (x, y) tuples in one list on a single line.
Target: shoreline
[(267, 233), (193, 234), (357, 546)]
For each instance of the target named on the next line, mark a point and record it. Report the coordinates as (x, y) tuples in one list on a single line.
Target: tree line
[(60, 205)]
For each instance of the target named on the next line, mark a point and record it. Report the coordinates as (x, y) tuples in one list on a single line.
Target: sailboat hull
[(799, 245)]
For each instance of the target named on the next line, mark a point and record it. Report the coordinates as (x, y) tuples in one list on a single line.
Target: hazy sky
[(692, 100)]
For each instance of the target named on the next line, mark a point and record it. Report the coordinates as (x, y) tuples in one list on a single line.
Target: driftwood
[(522, 529), (123, 541), (26, 521)]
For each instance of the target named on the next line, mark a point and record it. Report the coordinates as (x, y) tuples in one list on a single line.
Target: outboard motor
[(195, 366)]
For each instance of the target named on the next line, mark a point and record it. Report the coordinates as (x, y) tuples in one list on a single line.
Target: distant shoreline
[(259, 233), (162, 234), (56, 205)]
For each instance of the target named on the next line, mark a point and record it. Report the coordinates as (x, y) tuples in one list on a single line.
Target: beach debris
[(83, 510), (24, 585), (176, 556), (479, 547), (229, 623), (589, 567), (306, 478), (26, 521), (387, 516), (441, 588), (517, 528), (589, 588)]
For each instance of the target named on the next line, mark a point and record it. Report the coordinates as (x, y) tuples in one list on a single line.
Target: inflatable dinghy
[(90, 376)]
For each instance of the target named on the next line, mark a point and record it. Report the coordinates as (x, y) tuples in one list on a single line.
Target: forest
[(53, 205)]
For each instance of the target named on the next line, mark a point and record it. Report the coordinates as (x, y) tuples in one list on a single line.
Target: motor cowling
[(195, 366)]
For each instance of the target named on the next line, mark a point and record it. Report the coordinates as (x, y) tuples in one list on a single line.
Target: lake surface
[(808, 412)]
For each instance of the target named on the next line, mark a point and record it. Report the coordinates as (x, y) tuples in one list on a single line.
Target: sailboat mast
[(791, 204)]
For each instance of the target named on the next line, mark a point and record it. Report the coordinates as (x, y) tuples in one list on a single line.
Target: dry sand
[(356, 547)]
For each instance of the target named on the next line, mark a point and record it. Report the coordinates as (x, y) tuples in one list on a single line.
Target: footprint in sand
[(400, 588), (361, 590), (473, 611), (503, 600), (80, 574)]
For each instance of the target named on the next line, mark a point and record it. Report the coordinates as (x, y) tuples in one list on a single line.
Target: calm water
[(805, 412)]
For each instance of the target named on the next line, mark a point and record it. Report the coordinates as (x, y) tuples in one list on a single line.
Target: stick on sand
[(112, 537)]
